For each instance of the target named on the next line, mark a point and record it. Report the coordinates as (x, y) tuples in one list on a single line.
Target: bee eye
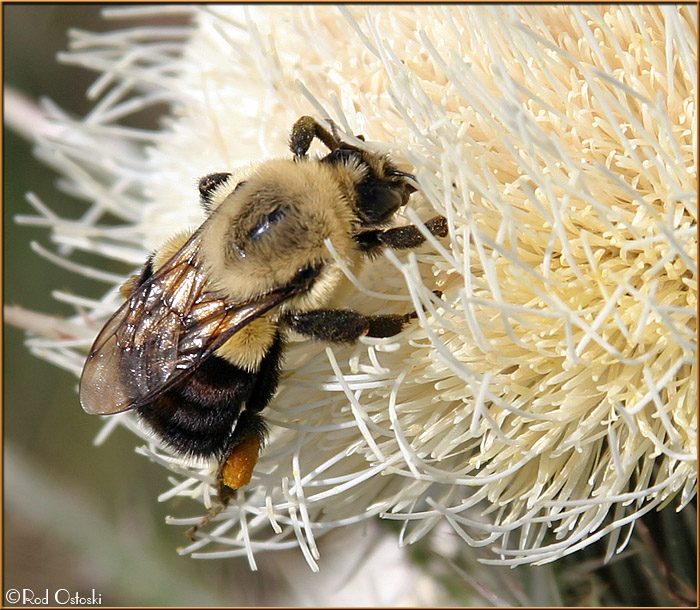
[(379, 202), (267, 223)]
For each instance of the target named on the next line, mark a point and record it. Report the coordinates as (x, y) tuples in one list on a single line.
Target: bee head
[(379, 189)]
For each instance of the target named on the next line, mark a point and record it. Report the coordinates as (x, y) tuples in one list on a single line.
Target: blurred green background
[(76, 516), (80, 518)]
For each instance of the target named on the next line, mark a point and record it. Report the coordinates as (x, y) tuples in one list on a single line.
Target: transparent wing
[(167, 327)]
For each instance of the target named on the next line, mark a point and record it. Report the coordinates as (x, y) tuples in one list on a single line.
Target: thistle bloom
[(548, 398)]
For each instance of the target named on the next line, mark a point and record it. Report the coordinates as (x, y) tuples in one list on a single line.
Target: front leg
[(399, 238), (305, 130), (345, 325)]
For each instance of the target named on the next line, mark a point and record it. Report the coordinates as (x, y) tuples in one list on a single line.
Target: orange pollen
[(238, 469)]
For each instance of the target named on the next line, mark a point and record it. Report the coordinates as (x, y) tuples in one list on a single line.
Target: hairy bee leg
[(215, 510), (236, 471), (400, 238), (239, 459), (345, 325), (237, 465), (388, 325), (303, 133), (238, 462)]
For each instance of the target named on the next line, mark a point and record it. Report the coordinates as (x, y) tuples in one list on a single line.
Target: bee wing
[(168, 326)]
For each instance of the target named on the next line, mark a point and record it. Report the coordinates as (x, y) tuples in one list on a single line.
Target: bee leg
[(215, 510), (303, 133), (400, 238), (237, 463), (345, 325), (237, 469), (239, 458)]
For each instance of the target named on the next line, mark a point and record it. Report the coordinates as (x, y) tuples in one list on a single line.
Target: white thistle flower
[(549, 400)]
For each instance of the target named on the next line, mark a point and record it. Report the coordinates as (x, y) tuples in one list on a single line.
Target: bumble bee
[(197, 347)]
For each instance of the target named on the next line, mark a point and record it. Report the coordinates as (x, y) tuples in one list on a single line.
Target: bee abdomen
[(197, 416)]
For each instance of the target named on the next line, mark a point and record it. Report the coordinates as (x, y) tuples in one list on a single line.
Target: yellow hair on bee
[(169, 248), (247, 347), (161, 256)]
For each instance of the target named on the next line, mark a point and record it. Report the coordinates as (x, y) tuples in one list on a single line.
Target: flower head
[(548, 398)]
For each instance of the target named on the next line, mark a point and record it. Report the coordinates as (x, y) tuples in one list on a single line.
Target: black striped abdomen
[(197, 416)]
